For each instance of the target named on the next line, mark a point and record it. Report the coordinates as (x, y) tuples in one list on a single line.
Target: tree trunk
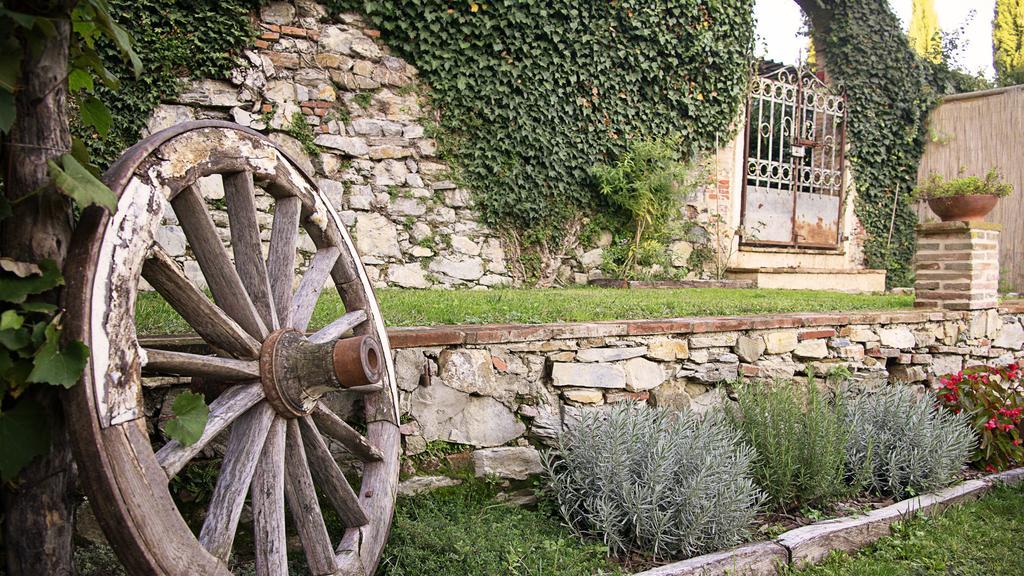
[(38, 507)]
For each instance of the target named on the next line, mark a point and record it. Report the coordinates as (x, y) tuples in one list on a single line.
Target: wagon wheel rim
[(275, 377)]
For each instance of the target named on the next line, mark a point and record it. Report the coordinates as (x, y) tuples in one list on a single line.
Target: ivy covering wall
[(891, 90), (176, 40), (533, 93)]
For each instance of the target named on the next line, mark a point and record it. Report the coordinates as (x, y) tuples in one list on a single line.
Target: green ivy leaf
[(24, 434), (189, 421), (76, 182), (15, 287), (56, 364), (11, 320), (95, 113), (15, 339)]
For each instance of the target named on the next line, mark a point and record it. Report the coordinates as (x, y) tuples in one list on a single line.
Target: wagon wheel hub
[(296, 372)]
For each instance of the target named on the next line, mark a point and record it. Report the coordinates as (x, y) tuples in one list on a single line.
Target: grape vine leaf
[(56, 364), (189, 421), (17, 282), (24, 434), (76, 182)]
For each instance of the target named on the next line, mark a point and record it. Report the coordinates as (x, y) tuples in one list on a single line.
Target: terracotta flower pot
[(969, 208)]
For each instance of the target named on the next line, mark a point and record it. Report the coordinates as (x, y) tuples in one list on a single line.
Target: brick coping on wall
[(456, 334), (418, 337)]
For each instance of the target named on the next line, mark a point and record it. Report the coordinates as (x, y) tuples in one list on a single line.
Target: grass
[(462, 531), (978, 538), (534, 306)]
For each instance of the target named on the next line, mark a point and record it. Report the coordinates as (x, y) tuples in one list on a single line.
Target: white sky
[(779, 23)]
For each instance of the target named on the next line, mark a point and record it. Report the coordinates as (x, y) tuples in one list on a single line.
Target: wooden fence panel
[(977, 131)]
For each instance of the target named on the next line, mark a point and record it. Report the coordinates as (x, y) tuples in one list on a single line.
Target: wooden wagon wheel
[(273, 376)]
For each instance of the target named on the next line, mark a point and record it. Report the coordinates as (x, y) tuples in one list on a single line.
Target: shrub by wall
[(652, 481), (532, 94), (901, 443)]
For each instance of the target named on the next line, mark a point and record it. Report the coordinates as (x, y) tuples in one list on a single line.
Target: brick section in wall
[(957, 265)]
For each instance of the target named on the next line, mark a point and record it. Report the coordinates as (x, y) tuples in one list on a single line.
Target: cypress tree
[(1008, 42), (924, 30)]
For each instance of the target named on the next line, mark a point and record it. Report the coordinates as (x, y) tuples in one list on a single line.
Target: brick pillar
[(957, 265)]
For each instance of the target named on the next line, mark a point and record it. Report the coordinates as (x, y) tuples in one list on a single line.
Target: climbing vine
[(891, 90), (533, 93)]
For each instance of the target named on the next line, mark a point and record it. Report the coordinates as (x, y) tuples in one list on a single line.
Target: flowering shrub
[(993, 398)]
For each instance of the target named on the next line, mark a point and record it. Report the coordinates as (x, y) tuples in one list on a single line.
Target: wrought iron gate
[(795, 176)]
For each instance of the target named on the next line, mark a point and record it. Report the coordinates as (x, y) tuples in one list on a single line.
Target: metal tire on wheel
[(270, 379)]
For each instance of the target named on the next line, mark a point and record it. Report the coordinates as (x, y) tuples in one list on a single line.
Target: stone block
[(514, 462), (583, 395), (408, 276), (750, 348), (445, 413), (714, 340), (596, 375), (642, 374), (668, 349), (1011, 336), (862, 335), (422, 484), (780, 342), (609, 354), (898, 337), (463, 269), (811, 349), (375, 235)]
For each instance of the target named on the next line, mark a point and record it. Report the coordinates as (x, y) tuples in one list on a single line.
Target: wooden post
[(38, 510)]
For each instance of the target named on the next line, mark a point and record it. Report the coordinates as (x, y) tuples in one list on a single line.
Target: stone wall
[(515, 387), (365, 113), (357, 118)]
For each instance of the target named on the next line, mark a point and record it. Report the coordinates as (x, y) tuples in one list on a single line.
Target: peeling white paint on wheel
[(129, 233)]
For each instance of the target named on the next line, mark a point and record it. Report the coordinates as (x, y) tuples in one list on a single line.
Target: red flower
[(991, 424)]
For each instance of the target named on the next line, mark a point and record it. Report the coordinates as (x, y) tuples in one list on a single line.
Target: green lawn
[(463, 531), (431, 307), (983, 538)]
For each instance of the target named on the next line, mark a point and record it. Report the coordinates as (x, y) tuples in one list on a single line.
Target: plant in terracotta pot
[(968, 198)]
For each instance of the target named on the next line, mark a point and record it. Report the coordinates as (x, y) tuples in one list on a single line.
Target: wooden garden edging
[(812, 543)]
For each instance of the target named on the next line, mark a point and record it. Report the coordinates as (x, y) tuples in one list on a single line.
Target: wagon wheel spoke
[(267, 494), (311, 285), (231, 404), (304, 506), (240, 195), (185, 364), (206, 318), (281, 260), (329, 478), (220, 274), (248, 435), (339, 327), (339, 430)]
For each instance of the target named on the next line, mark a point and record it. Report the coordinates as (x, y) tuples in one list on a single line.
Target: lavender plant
[(902, 444), (661, 483)]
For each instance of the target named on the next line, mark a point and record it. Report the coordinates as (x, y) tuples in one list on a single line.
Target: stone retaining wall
[(517, 385)]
